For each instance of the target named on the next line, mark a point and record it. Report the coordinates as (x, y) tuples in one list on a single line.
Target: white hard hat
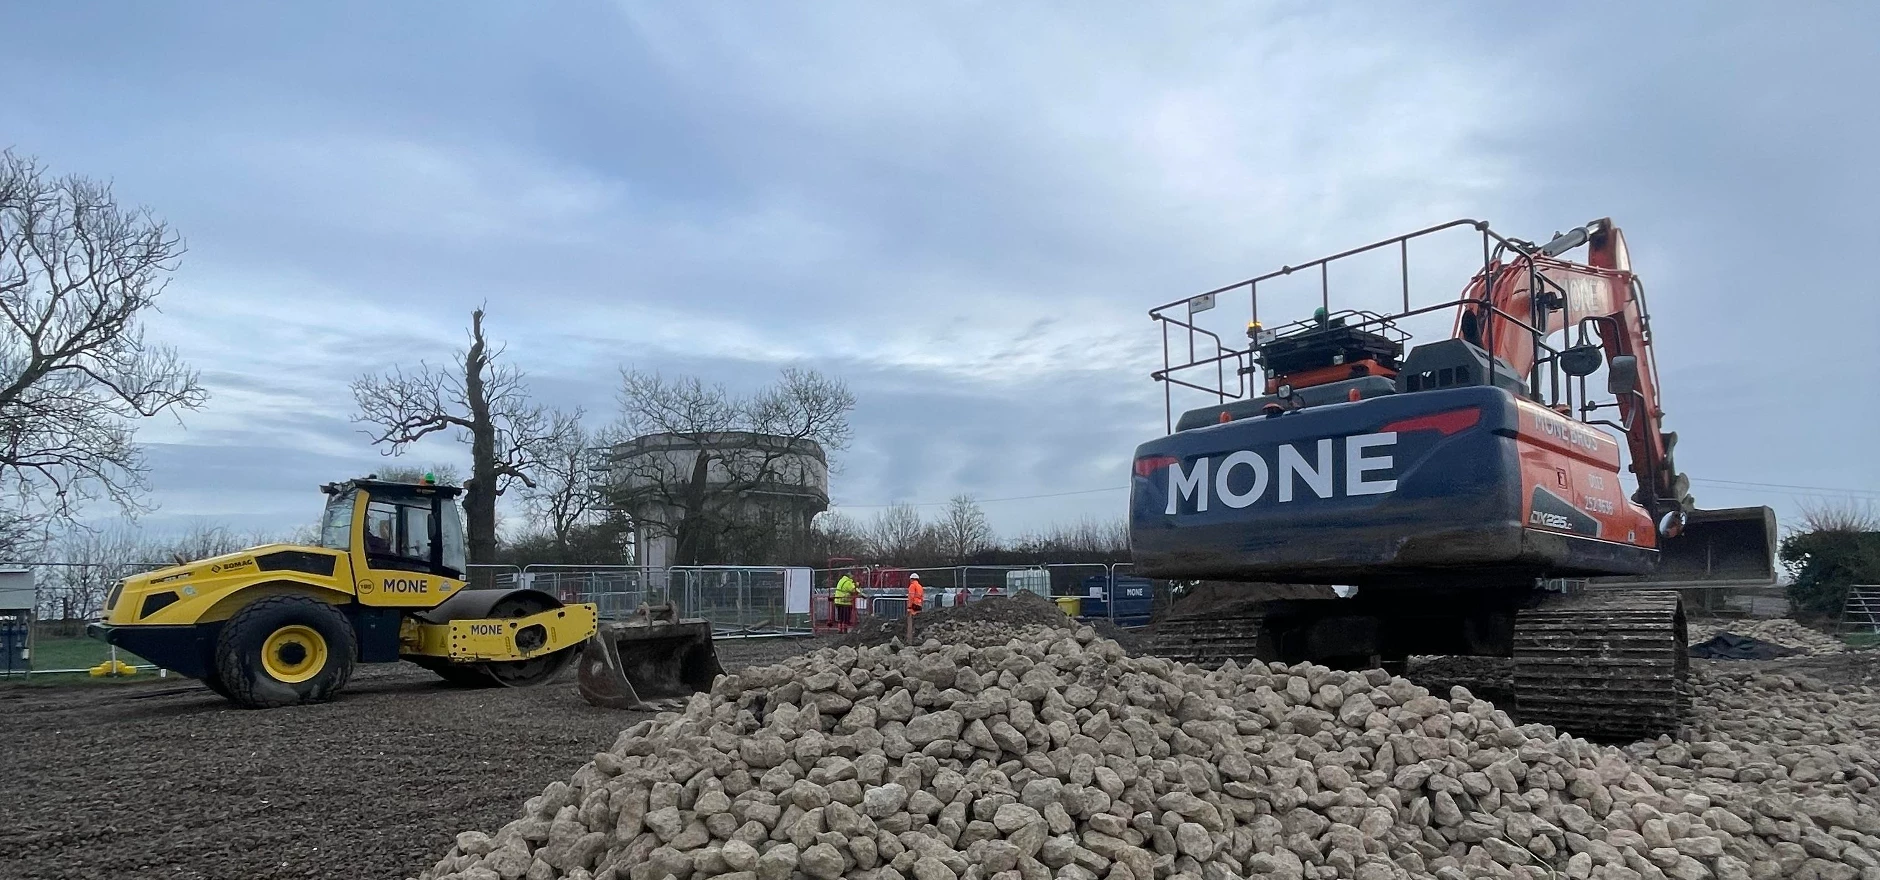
[(914, 577)]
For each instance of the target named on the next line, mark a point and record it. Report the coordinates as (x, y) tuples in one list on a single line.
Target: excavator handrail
[(1480, 225), (1528, 258), (1241, 356)]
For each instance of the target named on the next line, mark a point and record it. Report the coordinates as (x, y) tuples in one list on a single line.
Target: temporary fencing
[(738, 600), (615, 590)]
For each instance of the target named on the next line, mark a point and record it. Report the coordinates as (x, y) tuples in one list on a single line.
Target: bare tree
[(707, 452), (562, 498), (201, 542), (486, 404), (896, 534), (1836, 546), (78, 274), (962, 531), (1088, 540), (92, 561), (839, 536), (1840, 516), (23, 534)]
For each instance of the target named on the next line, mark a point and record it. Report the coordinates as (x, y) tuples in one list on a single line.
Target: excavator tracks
[(1604, 665), (1209, 641)]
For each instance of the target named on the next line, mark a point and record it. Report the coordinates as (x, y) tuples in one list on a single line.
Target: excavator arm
[(1537, 290), (1513, 305)]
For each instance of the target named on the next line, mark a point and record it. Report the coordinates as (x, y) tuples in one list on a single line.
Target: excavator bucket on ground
[(649, 661)]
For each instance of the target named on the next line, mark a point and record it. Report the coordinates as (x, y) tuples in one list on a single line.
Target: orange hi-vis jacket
[(916, 594)]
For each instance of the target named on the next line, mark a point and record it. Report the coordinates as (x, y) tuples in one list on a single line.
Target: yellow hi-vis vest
[(845, 591)]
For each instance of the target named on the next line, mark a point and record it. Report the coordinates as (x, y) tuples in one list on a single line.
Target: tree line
[(960, 535), (92, 560), (1836, 547), (579, 498)]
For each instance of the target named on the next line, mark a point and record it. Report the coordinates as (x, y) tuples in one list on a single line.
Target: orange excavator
[(1471, 489)]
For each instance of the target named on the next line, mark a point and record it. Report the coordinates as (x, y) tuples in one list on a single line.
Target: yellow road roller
[(282, 624)]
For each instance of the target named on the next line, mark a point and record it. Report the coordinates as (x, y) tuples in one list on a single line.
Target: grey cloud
[(964, 214)]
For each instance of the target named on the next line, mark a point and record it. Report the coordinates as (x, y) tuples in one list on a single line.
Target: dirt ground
[(166, 780)]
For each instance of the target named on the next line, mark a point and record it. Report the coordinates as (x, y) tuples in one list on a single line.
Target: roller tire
[(238, 653), (213, 681)]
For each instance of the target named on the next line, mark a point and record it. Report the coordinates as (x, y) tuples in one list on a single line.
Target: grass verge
[(76, 652)]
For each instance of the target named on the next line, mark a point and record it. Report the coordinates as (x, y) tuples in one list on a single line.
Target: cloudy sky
[(962, 209)]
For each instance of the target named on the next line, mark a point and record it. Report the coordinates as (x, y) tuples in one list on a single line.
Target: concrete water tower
[(766, 481)]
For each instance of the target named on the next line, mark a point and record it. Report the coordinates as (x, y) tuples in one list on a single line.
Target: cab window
[(401, 535), (381, 528), (414, 531), (336, 523)]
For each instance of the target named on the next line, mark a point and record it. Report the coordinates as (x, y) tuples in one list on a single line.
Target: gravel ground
[(165, 780), (1055, 754)]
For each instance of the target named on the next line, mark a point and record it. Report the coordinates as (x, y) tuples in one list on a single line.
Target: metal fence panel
[(738, 599), (616, 591)]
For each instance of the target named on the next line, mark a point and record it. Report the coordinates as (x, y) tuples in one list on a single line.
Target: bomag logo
[(221, 567), (404, 585), (486, 629), (1244, 477)]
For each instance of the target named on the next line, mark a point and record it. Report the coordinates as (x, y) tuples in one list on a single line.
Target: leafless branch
[(77, 275), (487, 404), (962, 532), (562, 497), (896, 534)]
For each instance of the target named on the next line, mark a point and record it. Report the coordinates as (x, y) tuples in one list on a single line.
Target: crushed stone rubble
[(1781, 631), (1055, 754)]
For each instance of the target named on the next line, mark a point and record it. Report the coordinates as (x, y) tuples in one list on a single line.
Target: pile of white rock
[(1057, 755)]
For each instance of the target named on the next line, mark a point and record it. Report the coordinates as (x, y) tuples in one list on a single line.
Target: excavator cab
[(1370, 459)]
